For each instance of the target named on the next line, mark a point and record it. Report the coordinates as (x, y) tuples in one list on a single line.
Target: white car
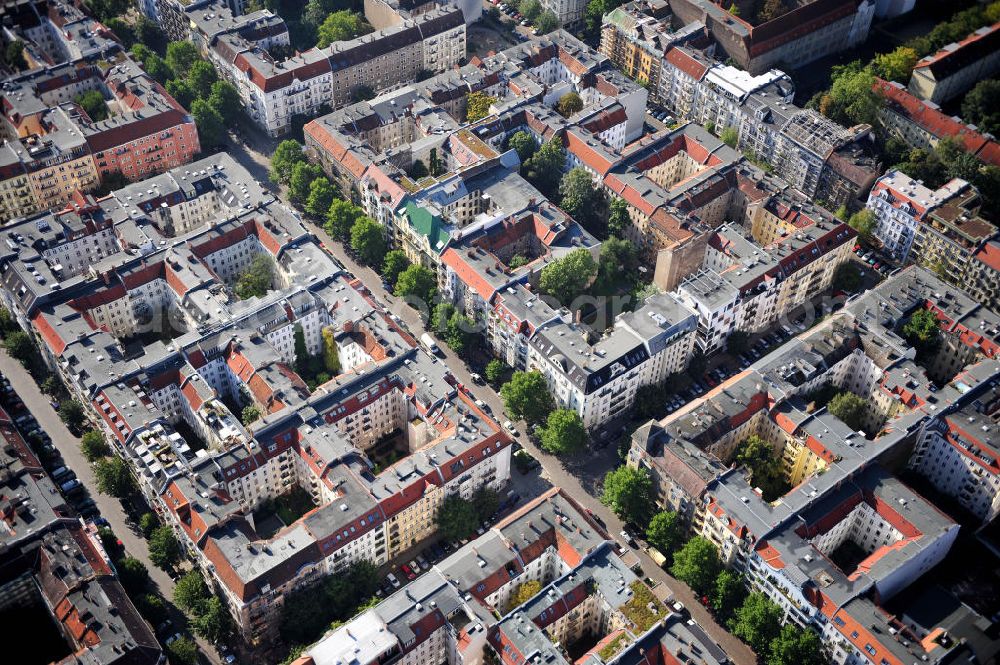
[(393, 581), (509, 426)]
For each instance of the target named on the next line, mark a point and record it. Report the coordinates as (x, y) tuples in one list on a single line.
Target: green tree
[(568, 277), (569, 104), (133, 575), (321, 196), (730, 136), (665, 532), (628, 493), (93, 446), (796, 646), (849, 408), (563, 433), (496, 370), (368, 240), (8, 323), (226, 101), (524, 144), (981, 106), (546, 22), (181, 91), (770, 10), (183, 651), (113, 477), (922, 329), (477, 106), (164, 550), (579, 197), (897, 65), (525, 592), (433, 163), (200, 78), (257, 279), (460, 332), (863, 222), (288, 153), (456, 518), (416, 283), (148, 523), (72, 413), (697, 564), (211, 126), (394, 263), (545, 167), (301, 350), (618, 219), (726, 594), (212, 620), (851, 98), (93, 103), (21, 348), (847, 277), (341, 26), (526, 396), (331, 353), (250, 414), (486, 502), (300, 184), (180, 56), (51, 385), (340, 218), (757, 622), (190, 591), (152, 608), (734, 10), (13, 55), (440, 317), (530, 9)]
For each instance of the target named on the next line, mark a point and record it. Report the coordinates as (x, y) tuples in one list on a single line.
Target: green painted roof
[(428, 225)]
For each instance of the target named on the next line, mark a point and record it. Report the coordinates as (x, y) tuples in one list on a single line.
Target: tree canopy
[(93, 446), (477, 105), (113, 477), (563, 432), (618, 219), (368, 240), (72, 413), (256, 280), (863, 222), (530, 9), (796, 646), (569, 103), (456, 518), (394, 263), (922, 329), (526, 396), (340, 219), (180, 56), (544, 168), (580, 197), (628, 493), (546, 22), (697, 564), (164, 550), (417, 284), (300, 183), (524, 144), (340, 26), (665, 532), (210, 123), (288, 153), (568, 277), (726, 594), (981, 106), (93, 103), (321, 196), (757, 622), (849, 408), (897, 65)]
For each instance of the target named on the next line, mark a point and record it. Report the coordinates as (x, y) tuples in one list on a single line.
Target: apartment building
[(792, 542), (824, 160), (902, 207), (131, 298), (956, 68), (58, 581), (786, 254), (983, 275), (275, 91), (460, 610), (52, 148), (922, 124), (808, 31)]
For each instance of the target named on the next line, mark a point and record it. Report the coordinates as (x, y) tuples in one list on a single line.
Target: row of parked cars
[(439, 550), (65, 479), (877, 262), (662, 116)]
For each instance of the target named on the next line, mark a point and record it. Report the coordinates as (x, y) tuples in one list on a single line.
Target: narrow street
[(111, 509)]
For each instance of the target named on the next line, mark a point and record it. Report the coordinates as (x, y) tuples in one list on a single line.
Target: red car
[(410, 575)]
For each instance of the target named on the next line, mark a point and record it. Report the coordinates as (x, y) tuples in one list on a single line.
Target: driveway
[(111, 510)]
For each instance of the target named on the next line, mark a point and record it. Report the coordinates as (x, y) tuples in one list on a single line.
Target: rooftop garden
[(643, 609), (611, 649)]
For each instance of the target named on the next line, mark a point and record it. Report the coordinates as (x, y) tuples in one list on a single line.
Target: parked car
[(415, 567), (393, 580), (509, 426), (70, 486), (627, 538), (405, 569)]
